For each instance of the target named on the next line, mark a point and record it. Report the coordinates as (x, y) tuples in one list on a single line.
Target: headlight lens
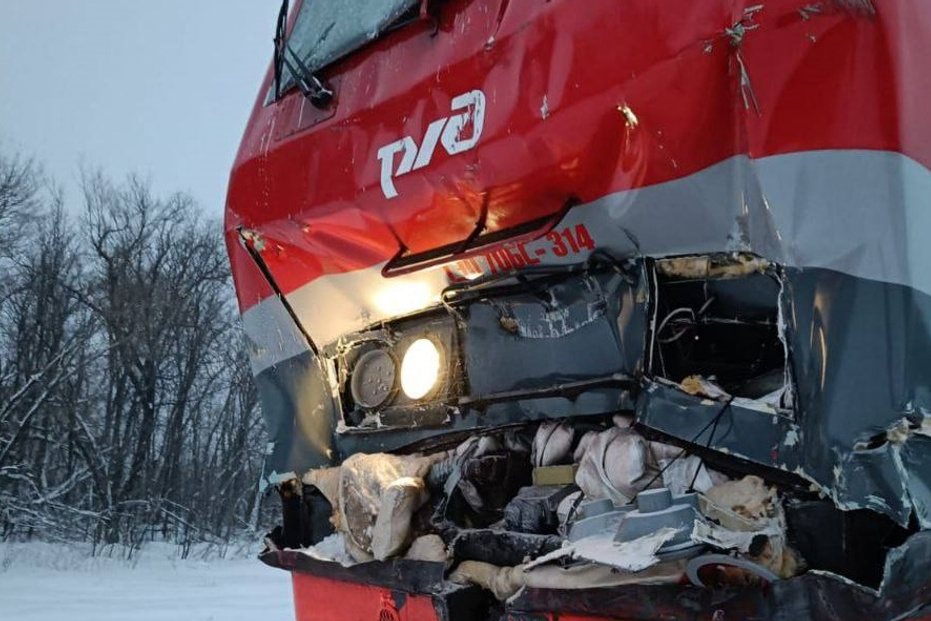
[(420, 368), (373, 379)]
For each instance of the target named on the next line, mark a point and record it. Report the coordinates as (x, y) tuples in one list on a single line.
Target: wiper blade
[(280, 28)]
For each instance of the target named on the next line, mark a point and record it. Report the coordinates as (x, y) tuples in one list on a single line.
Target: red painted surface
[(319, 599), (309, 182)]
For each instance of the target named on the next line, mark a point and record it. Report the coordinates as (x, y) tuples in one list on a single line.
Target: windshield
[(326, 30)]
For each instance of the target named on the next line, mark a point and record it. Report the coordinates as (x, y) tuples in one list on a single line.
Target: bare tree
[(42, 341), (127, 408), (21, 182)]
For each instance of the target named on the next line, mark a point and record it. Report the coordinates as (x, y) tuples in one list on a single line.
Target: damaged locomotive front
[(651, 441), (621, 312)]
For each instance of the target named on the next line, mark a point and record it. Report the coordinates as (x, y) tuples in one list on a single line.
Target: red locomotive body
[(562, 211)]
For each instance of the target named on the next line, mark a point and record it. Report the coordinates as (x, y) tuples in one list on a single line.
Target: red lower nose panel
[(322, 599)]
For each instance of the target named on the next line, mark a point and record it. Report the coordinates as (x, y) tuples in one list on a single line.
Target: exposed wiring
[(602, 471), (573, 510), (714, 428), (704, 307), (714, 421), (538, 462), (678, 311), (686, 323), (678, 335)]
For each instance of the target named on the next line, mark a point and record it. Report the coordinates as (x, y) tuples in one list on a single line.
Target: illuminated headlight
[(400, 375), (373, 379), (420, 368)]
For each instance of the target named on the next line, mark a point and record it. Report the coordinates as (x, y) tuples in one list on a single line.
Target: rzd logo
[(469, 109)]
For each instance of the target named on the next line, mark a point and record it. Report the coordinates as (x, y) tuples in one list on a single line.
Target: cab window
[(327, 30)]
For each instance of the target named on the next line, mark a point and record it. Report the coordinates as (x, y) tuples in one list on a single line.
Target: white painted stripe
[(862, 213), (271, 334)]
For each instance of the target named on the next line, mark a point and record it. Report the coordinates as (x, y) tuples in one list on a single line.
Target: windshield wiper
[(311, 86), (280, 28)]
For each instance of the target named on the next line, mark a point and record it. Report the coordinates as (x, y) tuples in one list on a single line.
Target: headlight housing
[(403, 374)]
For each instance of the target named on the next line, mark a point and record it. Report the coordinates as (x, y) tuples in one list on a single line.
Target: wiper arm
[(313, 88), (280, 28)]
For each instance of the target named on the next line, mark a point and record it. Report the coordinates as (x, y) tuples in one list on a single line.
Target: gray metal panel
[(570, 333)]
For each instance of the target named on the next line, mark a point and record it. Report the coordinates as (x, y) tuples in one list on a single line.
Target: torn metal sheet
[(300, 415), (633, 555), (855, 428)]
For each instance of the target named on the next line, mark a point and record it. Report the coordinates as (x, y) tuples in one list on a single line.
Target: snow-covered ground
[(44, 582)]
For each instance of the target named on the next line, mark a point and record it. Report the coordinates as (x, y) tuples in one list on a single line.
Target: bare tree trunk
[(127, 407)]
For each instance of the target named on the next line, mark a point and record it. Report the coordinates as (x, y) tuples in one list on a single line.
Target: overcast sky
[(158, 87)]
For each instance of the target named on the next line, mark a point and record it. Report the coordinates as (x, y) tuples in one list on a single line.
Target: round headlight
[(373, 378), (420, 369)]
